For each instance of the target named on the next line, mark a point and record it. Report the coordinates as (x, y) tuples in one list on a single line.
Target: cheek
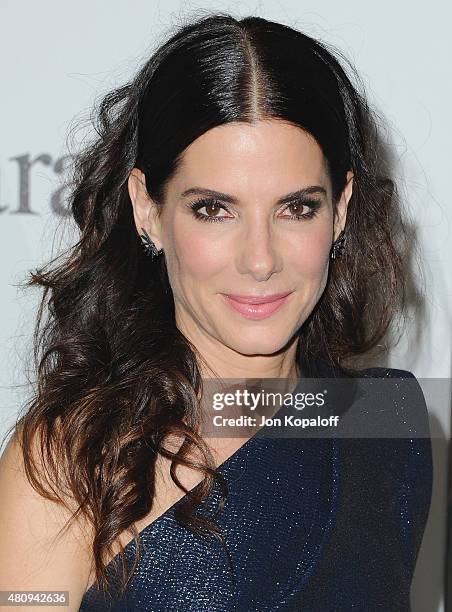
[(310, 255), (198, 256)]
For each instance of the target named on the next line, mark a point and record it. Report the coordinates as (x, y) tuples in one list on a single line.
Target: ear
[(342, 205), (144, 208)]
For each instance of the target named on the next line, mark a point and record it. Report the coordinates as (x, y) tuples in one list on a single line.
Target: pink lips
[(256, 308)]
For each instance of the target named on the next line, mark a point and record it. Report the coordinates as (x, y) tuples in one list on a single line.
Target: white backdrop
[(57, 57)]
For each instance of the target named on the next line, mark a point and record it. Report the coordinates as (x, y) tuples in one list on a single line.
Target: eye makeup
[(312, 203)]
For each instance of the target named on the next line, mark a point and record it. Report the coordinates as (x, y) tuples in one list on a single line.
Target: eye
[(312, 206), (211, 205), (214, 206)]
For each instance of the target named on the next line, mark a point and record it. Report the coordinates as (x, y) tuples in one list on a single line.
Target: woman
[(243, 159)]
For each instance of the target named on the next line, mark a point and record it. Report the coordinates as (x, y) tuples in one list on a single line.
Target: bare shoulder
[(37, 552)]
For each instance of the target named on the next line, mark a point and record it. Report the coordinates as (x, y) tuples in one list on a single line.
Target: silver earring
[(338, 245), (148, 245)]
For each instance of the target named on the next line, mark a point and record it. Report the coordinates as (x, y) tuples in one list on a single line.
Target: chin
[(256, 342)]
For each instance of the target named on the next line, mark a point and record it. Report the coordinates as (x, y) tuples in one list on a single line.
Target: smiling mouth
[(255, 299), (256, 308)]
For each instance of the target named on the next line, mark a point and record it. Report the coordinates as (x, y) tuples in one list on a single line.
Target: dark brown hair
[(115, 376)]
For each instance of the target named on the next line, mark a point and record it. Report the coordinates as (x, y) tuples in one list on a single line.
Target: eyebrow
[(233, 200)]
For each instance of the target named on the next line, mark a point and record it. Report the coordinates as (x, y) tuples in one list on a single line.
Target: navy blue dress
[(326, 524)]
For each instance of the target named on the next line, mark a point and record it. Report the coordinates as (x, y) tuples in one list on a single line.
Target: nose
[(258, 250)]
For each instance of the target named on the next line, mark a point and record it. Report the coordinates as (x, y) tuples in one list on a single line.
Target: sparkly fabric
[(311, 525)]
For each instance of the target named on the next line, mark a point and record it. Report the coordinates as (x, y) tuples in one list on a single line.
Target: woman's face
[(244, 240)]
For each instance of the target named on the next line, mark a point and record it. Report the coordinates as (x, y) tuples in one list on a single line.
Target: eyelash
[(197, 204)]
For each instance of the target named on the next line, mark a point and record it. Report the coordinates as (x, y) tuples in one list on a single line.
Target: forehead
[(269, 157)]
